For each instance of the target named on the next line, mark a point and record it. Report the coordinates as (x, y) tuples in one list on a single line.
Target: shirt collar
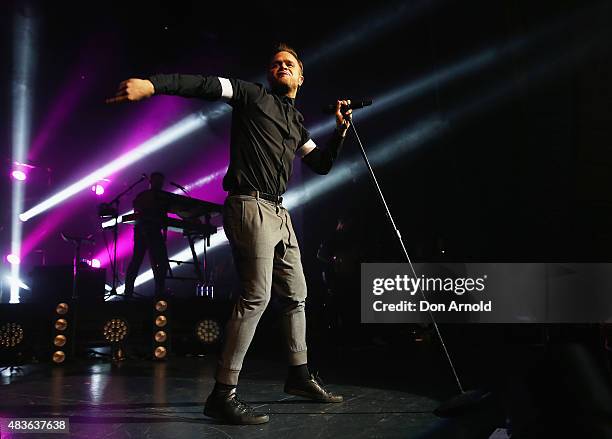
[(288, 100)]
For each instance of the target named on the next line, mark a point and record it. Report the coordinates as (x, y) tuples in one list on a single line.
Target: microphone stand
[(465, 398), (114, 266), (182, 189)]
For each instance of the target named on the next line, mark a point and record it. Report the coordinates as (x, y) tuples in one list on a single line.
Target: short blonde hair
[(282, 47)]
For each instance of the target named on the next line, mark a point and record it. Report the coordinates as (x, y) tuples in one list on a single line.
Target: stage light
[(59, 340), (160, 330), (60, 335), (115, 330), (95, 263), (13, 259), (11, 334), (160, 336), (18, 283), (161, 305), (18, 174), (160, 352), (62, 309), (24, 36), (97, 189), (100, 186), (208, 331), (61, 324), (166, 137), (59, 357)]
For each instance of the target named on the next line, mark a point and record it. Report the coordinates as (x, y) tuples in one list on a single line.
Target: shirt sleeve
[(307, 144), (322, 160), (233, 91)]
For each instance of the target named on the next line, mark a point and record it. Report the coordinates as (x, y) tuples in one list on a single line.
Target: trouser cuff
[(298, 358)]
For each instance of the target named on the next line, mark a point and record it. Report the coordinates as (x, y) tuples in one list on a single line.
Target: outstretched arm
[(322, 160), (192, 86)]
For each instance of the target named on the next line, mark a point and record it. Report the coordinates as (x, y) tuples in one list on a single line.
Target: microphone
[(331, 108)]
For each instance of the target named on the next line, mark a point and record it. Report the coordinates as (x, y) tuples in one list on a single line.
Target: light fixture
[(161, 336), (97, 189), (161, 305), (160, 352), (59, 357), (19, 174), (61, 324), (62, 308), (13, 259), (208, 331), (11, 334), (59, 340), (115, 330)]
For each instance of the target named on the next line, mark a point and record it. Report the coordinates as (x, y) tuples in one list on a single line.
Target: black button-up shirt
[(267, 129)]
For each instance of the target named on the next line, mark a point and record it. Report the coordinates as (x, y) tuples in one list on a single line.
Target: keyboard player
[(151, 212)]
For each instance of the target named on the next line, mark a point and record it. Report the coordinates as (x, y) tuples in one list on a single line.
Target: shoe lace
[(241, 405), (317, 379)]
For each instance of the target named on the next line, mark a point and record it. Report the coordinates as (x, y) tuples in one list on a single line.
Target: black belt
[(258, 194)]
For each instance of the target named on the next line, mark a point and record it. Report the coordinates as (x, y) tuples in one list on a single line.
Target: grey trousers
[(267, 258)]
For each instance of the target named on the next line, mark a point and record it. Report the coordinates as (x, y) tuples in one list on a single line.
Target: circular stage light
[(160, 352), (62, 309), (13, 259), (161, 305), (95, 263), (61, 324), (115, 330), (97, 189), (161, 336), (59, 357), (18, 174), (11, 334), (208, 331), (161, 321), (59, 340)]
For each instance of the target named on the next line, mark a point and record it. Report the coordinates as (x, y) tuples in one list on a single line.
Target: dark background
[(520, 172)]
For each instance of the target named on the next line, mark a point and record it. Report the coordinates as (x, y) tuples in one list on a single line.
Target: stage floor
[(146, 399)]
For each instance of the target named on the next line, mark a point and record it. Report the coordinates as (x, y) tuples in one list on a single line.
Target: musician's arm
[(211, 88), (192, 86), (322, 160)]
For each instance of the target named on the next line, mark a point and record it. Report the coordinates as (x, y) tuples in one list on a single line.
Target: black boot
[(226, 407), (311, 388)]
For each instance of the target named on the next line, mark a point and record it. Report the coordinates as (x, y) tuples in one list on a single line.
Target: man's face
[(284, 73)]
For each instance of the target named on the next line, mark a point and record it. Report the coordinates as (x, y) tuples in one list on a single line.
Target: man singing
[(266, 134)]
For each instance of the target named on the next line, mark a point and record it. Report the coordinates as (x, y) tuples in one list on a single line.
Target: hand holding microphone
[(343, 110), (343, 116)]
